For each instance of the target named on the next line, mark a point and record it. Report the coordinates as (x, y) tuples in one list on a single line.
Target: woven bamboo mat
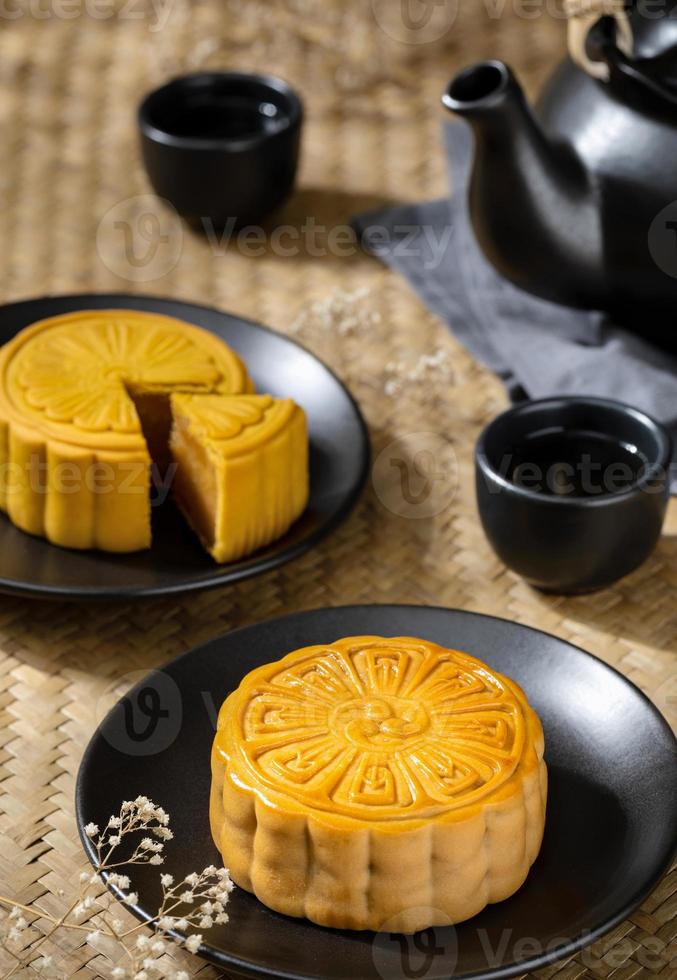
[(70, 177)]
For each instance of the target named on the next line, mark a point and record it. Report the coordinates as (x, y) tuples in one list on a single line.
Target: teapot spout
[(484, 88), (533, 208)]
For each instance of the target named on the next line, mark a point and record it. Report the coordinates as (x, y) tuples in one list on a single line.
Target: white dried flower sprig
[(196, 902), (425, 369), (342, 312)]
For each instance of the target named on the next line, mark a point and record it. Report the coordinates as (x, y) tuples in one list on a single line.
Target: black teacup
[(572, 492), (222, 147)]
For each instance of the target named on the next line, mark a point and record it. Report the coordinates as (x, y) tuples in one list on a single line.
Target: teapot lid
[(654, 28)]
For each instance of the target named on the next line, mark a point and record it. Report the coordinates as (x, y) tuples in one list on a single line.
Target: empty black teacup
[(572, 492), (222, 147)]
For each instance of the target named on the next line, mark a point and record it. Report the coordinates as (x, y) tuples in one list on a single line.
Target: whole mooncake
[(378, 783), (86, 408)]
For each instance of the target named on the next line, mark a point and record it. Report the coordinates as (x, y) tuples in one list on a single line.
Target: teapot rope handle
[(584, 14)]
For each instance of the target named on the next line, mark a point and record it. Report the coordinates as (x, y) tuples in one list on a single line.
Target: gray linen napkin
[(536, 347)]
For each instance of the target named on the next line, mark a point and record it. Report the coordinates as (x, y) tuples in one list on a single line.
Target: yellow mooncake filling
[(378, 783), (242, 469)]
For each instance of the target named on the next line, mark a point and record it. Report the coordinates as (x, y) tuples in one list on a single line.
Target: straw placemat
[(75, 217)]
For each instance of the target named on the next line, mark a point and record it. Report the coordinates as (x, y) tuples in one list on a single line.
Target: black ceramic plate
[(611, 828), (339, 459)]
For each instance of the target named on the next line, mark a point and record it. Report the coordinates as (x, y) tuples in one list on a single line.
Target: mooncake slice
[(378, 783), (241, 473), (84, 407)]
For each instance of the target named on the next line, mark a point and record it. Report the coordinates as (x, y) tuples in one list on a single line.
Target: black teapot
[(576, 199)]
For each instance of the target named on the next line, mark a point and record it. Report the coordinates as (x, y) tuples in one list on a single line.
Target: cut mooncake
[(378, 783), (242, 469), (85, 407)]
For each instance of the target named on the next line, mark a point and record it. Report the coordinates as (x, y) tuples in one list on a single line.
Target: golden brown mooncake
[(242, 468), (378, 783), (84, 405)]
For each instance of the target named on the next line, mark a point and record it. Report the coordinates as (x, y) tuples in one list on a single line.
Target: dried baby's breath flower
[(197, 902), (193, 943), (19, 926), (424, 370), (120, 881), (342, 312)]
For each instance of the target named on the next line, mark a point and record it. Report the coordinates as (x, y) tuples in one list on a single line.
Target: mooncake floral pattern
[(394, 729), (81, 374), (220, 418)]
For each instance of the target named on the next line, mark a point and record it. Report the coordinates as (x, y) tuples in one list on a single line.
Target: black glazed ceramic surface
[(222, 146), (611, 829), (176, 563), (576, 200), (573, 540)]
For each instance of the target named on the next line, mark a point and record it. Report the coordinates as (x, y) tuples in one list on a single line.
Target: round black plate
[(339, 461), (611, 828)]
